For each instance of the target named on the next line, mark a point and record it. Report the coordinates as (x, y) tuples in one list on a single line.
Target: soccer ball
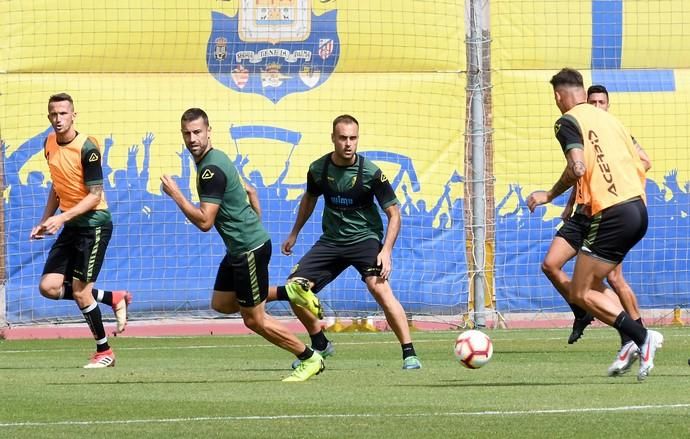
[(473, 349)]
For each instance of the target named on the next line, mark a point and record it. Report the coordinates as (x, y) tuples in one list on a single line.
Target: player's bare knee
[(576, 295), (49, 294), (380, 296), (225, 308), (223, 305), (50, 290), (549, 269), (616, 281), (254, 324), (218, 308), (580, 298), (383, 294)]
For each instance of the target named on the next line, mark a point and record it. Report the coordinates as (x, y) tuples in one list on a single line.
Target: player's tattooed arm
[(97, 190), (578, 170), (646, 161), (558, 189), (571, 174)]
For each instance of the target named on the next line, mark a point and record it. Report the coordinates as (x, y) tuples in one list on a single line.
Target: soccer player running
[(242, 279), (569, 239), (604, 165), (76, 257), (352, 235)]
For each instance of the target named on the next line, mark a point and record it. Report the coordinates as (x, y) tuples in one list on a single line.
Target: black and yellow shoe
[(300, 294)]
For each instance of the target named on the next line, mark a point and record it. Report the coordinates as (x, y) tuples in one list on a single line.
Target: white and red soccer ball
[(473, 349)]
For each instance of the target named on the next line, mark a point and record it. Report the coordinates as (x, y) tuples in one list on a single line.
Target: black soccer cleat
[(579, 326)]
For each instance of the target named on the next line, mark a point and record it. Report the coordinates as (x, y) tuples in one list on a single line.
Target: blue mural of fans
[(155, 252)]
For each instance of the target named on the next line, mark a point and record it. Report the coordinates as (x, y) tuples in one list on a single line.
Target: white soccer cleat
[(121, 300), (624, 359), (653, 342), (100, 360)]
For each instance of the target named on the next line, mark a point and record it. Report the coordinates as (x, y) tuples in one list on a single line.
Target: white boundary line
[(228, 346), (343, 415), (267, 345)]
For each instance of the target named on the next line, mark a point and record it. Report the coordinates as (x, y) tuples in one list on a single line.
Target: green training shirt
[(350, 214), (218, 182)]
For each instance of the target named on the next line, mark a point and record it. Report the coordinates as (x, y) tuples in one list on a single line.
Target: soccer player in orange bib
[(603, 164), (567, 242), (76, 257)]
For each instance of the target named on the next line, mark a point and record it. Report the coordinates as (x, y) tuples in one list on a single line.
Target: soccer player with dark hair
[(76, 257), (353, 235), (233, 208), (604, 166), (598, 96), (569, 239)]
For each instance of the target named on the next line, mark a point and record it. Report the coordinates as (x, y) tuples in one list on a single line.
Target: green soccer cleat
[(300, 294), (307, 369), (412, 363), (328, 352)]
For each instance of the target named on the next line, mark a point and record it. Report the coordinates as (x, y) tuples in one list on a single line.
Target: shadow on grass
[(139, 382), (459, 383)]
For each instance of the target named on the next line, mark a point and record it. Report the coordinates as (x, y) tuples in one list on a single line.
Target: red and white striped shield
[(325, 48)]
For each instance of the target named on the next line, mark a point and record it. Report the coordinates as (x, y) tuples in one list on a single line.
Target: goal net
[(273, 74), (635, 49)]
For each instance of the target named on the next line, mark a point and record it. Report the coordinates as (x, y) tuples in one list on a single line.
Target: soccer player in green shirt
[(242, 279), (353, 235)]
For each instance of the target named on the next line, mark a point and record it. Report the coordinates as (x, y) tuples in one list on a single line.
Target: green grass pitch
[(229, 386)]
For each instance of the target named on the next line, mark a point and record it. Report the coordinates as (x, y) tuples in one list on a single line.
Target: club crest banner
[(273, 48)]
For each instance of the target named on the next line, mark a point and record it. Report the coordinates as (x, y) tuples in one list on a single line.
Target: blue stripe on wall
[(607, 34), (631, 80), (607, 51)]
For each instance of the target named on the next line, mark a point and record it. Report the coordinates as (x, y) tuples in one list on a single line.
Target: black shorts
[(615, 230), (325, 261), (78, 252), (246, 274), (575, 229)]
